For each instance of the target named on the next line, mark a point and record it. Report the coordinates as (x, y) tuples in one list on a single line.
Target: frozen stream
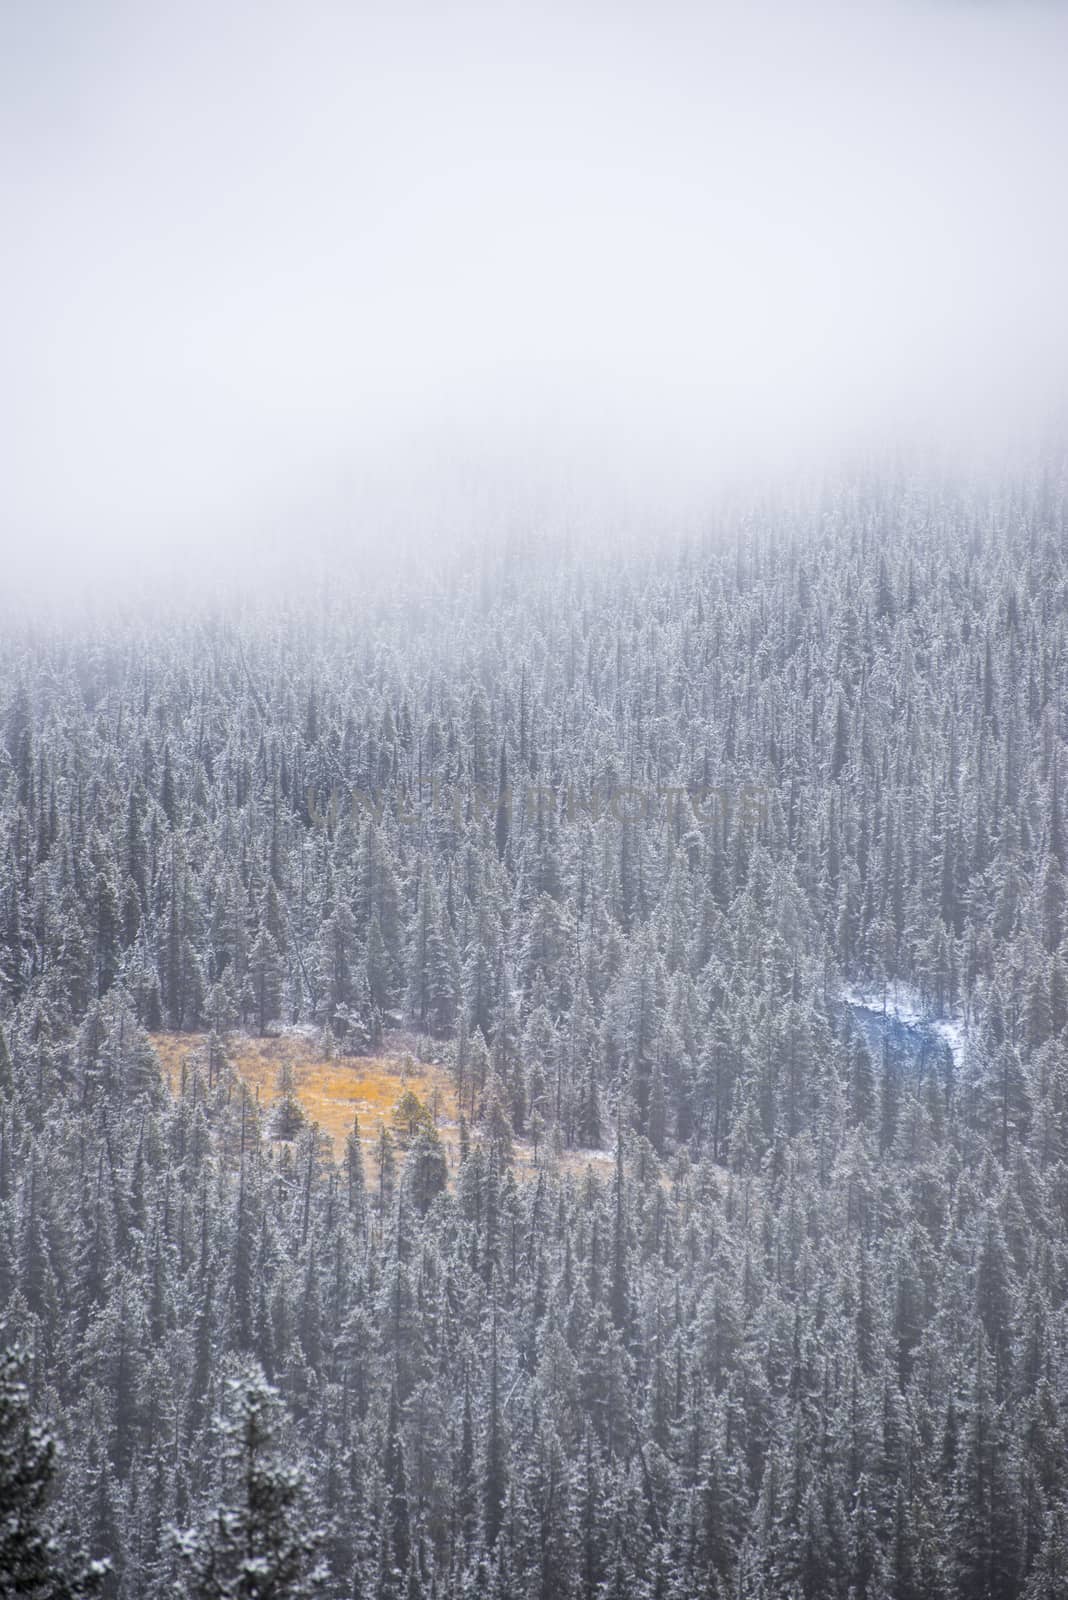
[(895, 1023)]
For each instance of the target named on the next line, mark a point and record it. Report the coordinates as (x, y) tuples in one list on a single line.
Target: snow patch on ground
[(894, 1001), (955, 1035)]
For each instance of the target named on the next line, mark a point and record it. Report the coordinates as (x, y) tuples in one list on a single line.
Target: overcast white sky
[(266, 266)]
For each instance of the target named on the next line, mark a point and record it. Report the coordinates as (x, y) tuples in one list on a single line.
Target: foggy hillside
[(534, 801), (642, 853)]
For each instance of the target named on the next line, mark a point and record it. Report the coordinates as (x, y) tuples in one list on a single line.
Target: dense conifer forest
[(739, 864)]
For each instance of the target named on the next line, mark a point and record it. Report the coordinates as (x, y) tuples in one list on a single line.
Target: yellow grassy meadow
[(334, 1089), (331, 1090)]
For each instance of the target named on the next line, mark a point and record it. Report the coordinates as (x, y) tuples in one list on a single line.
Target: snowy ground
[(903, 1005)]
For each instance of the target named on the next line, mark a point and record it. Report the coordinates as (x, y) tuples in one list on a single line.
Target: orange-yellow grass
[(332, 1092)]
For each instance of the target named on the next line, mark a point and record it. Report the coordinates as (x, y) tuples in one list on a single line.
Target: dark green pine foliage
[(260, 1542), (397, 1536), (31, 1565)]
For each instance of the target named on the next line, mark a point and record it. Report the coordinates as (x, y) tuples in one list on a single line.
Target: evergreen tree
[(30, 1560), (260, 1542)]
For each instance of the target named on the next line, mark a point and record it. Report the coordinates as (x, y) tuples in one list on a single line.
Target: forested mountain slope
[(615, 834)]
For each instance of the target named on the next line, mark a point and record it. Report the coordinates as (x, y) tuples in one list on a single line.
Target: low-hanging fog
[(285, 279)]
